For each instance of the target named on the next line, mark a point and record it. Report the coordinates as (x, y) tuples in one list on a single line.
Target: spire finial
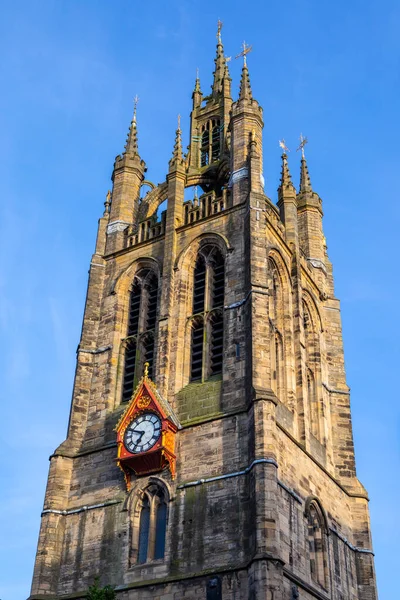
[(282, 144), (244, 52), (135, 103), (303, 142), (107, 204), (131, 146), (219, 27), (305, 181), (177, 152), (146, 370)]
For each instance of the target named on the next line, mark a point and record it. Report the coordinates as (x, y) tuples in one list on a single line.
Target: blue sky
[(69, 70)]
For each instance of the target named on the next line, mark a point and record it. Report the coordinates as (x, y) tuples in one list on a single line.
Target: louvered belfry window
[(139, 343), (207, 317)]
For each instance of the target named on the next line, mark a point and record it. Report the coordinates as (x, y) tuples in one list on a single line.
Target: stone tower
[(209, 450)]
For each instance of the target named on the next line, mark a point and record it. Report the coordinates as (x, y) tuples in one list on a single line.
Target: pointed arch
[(280, 325), (316, 535), (148, 507), (312, 342)]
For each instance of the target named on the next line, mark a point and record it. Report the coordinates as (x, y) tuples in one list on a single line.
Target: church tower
[(209, 451)]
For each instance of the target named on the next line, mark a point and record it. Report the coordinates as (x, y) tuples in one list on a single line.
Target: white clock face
[(142, 433)]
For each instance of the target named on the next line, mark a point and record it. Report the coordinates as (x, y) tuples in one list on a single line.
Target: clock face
[(142, 433)]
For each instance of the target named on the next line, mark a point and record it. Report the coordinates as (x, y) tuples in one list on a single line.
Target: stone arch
[(143, 483), (312, 305), (282, 364), (315, 500), (152, 201), (189, 253), (316, 541), (275, 255), (124, 279)]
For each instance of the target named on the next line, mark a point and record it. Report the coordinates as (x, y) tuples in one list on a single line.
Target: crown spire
[(131, 146), (305, 181), (177, 152), (220, 63), (245, 92)]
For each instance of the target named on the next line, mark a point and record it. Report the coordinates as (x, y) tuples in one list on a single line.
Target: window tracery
[(149, 526), (276, 320)]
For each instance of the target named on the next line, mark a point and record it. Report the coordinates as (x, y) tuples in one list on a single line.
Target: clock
[(142, 433)]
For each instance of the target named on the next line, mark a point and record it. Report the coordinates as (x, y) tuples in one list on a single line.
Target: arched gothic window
[(207, 314), (150, 526), (205, 146), (139, 343), (312, 369), (316, 544), (276, 321)]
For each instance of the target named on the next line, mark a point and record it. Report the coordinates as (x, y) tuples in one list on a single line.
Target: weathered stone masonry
[(266, 502)]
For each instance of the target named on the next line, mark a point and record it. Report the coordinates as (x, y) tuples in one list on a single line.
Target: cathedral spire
[(131, 146), (177, 158), (220, 64), (245, 87)]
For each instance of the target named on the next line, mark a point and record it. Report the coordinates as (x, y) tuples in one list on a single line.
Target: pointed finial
[(177, 152), (146, 370), (107, 204), (219, 27), (131, 146), (303, 142), (244, 52), (282, 144), (135, 103)]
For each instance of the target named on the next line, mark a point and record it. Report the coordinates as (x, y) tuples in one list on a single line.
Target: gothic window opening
[(149, 526), (139, 343), (316, 545), (210, 149), (207, 325), (312, 370), (205, 146), (276, 311)]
